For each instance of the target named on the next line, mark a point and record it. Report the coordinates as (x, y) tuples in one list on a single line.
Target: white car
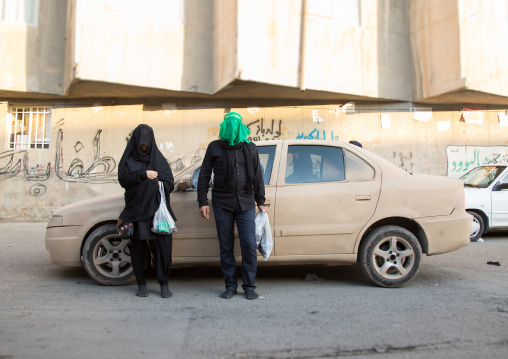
[(486, 190)]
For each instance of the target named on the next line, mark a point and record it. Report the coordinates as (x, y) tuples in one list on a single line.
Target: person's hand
[(262, 209), (151, 174), (205, 211)]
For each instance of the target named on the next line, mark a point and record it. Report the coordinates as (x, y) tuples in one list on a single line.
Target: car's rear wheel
[(478, 226), (107, 258), (390, 256)]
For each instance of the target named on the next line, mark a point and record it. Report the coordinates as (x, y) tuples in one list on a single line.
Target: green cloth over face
[(232, 129)]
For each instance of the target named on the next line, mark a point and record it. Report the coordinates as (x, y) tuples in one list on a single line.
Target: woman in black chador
[(141, 168)]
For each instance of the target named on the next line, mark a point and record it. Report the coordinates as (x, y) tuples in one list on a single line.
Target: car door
[(196, 236), (325, 195), (500, 203), (269, 157)]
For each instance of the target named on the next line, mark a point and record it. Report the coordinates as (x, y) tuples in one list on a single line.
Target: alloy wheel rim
[(393, 258), (475, 228), (112, 257)]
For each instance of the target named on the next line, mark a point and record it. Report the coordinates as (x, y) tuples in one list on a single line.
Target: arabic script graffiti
[(316, 134), (265, 133), (462, 159)]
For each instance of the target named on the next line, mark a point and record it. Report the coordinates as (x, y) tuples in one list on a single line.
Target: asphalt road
[(457, 307)]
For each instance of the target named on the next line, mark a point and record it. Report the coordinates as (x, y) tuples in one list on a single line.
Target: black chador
[(142, 199)]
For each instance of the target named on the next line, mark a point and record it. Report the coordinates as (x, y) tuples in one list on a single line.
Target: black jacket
[(226, 196)]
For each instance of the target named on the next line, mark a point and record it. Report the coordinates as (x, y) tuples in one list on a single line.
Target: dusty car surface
[(486, 189), (328, 202)]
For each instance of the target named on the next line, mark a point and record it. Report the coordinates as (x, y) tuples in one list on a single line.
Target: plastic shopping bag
[(264, 240), (163, 223)]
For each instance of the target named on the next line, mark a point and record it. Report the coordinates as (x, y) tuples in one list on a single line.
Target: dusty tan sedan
[(328, 202)]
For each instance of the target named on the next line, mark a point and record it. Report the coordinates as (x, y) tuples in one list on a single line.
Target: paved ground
[(457, 307)]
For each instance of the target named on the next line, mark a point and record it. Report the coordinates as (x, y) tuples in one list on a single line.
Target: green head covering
[(232, 129)]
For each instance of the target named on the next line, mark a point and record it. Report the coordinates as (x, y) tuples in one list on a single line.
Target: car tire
[(478, 226), (106, 257), (390, 256)]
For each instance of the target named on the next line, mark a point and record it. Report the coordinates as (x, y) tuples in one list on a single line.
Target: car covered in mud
[(328, 202)]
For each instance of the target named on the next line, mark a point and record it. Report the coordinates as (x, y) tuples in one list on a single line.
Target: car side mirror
[(500, 186), (185, 183)]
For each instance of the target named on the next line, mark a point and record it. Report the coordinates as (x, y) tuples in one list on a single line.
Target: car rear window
[(357, 169)]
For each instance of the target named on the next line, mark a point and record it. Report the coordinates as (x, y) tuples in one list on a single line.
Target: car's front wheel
[(390, 256), (107, 258), (478, 226)]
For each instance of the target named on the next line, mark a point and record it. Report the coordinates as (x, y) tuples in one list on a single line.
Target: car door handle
[(267, 202), (362, 198)]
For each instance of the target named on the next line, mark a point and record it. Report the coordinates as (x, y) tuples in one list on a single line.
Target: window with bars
[(30, 127)]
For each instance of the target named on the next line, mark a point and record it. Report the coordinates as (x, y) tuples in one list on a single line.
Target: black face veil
[(142, 199)]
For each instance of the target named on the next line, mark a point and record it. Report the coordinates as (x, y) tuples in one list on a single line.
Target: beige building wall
[(88, 139), (436, 45), (483, 38), (459, 51), (397, 76), (33, 56), (158, 44), (356, 47)]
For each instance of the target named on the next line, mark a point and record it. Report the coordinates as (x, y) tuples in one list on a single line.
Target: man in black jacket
[(238, 186)]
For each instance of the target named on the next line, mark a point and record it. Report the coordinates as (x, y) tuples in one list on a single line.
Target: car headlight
[(55, 221)]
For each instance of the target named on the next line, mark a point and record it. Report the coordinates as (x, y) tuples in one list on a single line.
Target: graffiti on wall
[(13, 165), (261, 131), (177, 163), (100, 170), (462, 159), (316, 134), (404, 161)]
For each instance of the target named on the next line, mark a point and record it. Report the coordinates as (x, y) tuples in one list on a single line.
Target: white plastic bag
[(264, 239), (163, 223)]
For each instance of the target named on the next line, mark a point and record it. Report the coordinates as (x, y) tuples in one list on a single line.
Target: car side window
[(266, 156), (308, 164), (195, 177), (357, 169), (504, 180)]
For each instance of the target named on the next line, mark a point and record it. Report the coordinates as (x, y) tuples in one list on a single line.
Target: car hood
[(100, 209), (477, 198), (107, 207), (471, 189)]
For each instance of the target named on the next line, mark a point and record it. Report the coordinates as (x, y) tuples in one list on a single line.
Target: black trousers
[(245, 224), (161, 248)]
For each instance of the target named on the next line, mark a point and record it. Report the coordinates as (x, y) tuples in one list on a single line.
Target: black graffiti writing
[(13, 166), (100, 170), (39, 173), (269, 133), (177, 165), (37, 189), (405, 166), (198, 155)]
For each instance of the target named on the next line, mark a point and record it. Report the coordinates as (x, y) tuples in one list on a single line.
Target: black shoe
[(165, 292), (142, 291), (251, 295), (228, 294)]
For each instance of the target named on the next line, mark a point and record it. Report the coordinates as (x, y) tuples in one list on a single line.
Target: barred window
[(30, 127)]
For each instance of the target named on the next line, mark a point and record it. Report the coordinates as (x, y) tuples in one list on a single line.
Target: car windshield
[(482, 177)]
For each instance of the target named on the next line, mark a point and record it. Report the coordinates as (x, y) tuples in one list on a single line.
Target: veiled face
[(144, 140), (141, 143)]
